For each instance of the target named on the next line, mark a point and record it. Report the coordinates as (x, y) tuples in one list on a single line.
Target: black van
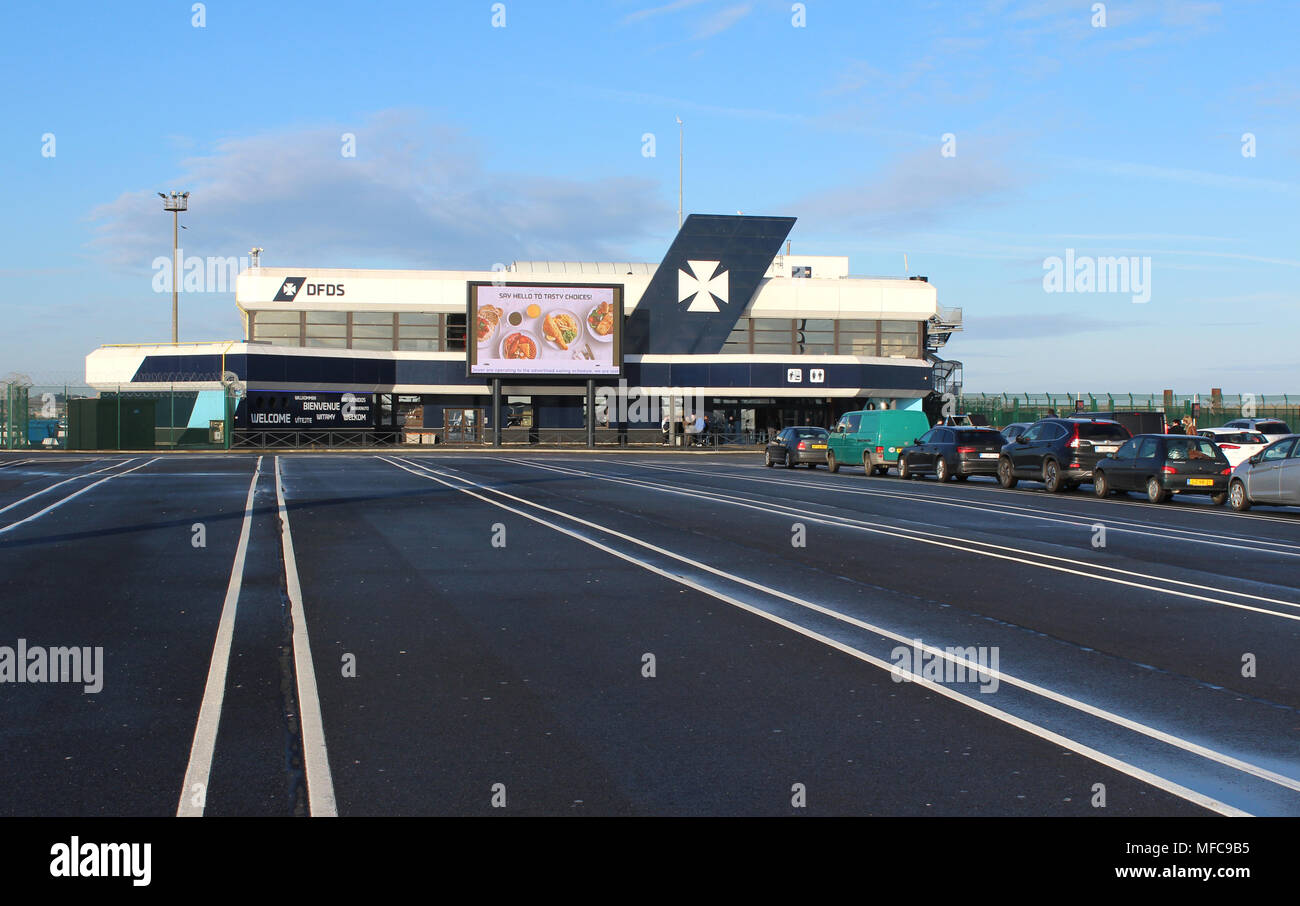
[(1138, 421)]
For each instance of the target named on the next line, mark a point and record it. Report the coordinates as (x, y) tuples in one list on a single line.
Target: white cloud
[(916, 190), (415, 195)]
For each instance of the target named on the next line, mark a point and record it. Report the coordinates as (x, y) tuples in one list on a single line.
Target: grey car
[(1271, 476), (798, 446)]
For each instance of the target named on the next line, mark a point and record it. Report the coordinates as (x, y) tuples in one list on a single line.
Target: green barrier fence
[(1209, 410)]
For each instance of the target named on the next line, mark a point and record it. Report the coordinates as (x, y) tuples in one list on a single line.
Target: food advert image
[(550, 330)]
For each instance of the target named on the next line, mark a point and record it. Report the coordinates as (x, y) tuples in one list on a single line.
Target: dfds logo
[(291, 287)]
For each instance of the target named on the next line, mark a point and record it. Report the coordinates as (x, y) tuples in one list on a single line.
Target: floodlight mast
[(176, 202)]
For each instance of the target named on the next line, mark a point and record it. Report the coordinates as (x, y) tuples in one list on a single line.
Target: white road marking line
[(998, 490), (1172, 533), (63, 482), (16, 462), (1110, 717), (315, 756), (60, 502), (1117, 764), (195, 784), (965, 545)]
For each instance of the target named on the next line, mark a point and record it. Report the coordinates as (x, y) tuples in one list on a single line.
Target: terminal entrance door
[(463, 426)]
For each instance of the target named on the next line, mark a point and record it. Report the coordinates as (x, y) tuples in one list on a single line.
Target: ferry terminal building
[(766, 339)]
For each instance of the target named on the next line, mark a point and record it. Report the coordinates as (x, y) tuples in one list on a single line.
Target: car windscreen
[(1241, 437), (977, 437), (1182, 449), (1103, 431)]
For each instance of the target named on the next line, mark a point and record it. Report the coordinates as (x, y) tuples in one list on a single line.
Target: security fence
[(1209, 410), (73, 416)]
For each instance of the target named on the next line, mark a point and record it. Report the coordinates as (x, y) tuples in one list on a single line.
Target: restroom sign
[(817, 375), (794, 375)]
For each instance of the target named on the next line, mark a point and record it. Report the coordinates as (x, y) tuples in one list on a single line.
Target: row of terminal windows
[(378, 330), (386, 330), (826, 336)]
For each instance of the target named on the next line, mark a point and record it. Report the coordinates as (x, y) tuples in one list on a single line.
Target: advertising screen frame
[(471, 346)]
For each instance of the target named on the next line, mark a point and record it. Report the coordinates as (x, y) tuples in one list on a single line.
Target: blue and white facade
[(761, 336)]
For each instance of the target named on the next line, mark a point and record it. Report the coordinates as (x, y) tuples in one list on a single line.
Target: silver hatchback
[(1271, 476)]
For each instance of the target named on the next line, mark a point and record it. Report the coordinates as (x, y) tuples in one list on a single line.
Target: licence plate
[(988, 456), (1201, 482), (819, 446), (1109, 448)]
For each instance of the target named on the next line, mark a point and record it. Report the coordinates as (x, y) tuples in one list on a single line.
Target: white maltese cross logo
[(702, 285), (290, 289)]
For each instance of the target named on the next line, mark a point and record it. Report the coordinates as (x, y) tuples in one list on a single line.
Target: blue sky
[(478, 144)]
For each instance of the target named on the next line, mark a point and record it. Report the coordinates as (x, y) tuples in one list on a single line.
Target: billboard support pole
[(496, 412), (591, 415)]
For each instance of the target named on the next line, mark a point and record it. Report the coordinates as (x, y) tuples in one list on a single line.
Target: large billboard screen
[(555, 330)]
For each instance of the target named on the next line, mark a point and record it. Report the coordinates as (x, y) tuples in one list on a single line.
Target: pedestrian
[(1051, 413), (1189, 425)]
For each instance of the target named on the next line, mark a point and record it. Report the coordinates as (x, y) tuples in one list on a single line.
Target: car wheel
[(832, 464), (867, 468), (941, 473), (1237, 496), (767, 459), (1006, 475), (1100, 486), (1219, 499), (1052, 477), (1156, 493), (903, 473), (789, 461)]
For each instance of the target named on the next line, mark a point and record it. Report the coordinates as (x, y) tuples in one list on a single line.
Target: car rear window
[(1241, 437), (1103, 431), (1181, 449), (976, 437), (811, 433), (1272, 427)]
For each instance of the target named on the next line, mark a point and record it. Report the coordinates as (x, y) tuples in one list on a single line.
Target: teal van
[(873, 438)]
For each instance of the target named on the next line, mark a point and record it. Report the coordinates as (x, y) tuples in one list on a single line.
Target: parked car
[(1163, 465), (1236, 444), (1272, 428), (952, 453), (873, 437), (1014, 430), (1137, 421), (1271, 476), (1059, 452), (800, 446)]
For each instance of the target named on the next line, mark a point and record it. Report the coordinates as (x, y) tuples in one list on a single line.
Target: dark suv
[(1059, 452)]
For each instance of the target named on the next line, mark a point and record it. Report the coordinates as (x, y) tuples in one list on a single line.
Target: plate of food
[(561, 328), (600, 322), (520, 344), (489, 318)]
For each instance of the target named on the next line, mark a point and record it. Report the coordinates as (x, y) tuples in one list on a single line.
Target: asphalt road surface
[(628, 634)]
